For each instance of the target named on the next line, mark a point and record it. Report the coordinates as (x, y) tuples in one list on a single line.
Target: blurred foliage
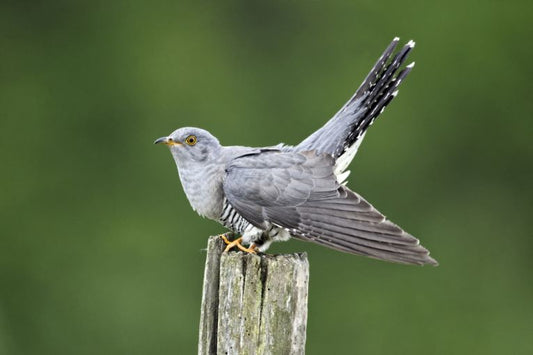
[(100, 252)]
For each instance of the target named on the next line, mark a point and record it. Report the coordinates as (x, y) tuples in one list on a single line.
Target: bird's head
[(190, 144)]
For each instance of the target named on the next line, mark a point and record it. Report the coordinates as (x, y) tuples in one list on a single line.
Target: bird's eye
[(191, 140)]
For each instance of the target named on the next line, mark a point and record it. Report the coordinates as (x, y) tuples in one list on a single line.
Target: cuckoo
[(274, 193)]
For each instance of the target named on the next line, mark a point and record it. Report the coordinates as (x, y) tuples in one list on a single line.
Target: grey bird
[(274, 193)]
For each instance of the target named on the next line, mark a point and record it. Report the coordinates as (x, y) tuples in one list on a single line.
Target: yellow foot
[(237, 243)]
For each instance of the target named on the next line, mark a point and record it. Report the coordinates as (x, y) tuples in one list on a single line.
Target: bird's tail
[(342, 134)]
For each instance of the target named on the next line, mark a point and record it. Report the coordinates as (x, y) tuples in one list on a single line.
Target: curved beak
[(161, 140), (166, 140)]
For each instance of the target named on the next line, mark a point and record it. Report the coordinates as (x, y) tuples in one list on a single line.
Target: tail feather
[(387, 94), (371, 78), (342, 134)]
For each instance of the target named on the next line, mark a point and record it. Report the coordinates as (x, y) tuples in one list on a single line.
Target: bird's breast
[(203, 187)]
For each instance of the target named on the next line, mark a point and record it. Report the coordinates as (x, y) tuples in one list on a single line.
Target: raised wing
[(298, 191)]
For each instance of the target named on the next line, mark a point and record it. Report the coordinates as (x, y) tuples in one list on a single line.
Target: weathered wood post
[(253, 304)]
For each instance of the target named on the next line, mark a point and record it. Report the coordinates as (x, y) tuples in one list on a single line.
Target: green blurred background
[(100, 253)]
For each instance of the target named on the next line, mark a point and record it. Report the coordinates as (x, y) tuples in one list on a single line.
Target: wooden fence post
[(253, 304)]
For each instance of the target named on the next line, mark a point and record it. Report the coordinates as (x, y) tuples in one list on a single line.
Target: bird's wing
[(343, 133), (299, 192)]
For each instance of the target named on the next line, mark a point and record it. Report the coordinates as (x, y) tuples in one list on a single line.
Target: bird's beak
[(166, 140)]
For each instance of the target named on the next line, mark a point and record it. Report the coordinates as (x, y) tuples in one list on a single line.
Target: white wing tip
[(410, 66), (411, 43), (396, 39)]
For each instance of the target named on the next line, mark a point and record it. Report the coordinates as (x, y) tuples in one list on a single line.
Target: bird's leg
[(237, 243), (249, 250), (232, 244), (225, 239)]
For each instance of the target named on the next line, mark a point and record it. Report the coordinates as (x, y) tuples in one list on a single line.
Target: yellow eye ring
[(191, 140)]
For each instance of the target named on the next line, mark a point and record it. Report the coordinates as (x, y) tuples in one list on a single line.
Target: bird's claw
[(237, 243)]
